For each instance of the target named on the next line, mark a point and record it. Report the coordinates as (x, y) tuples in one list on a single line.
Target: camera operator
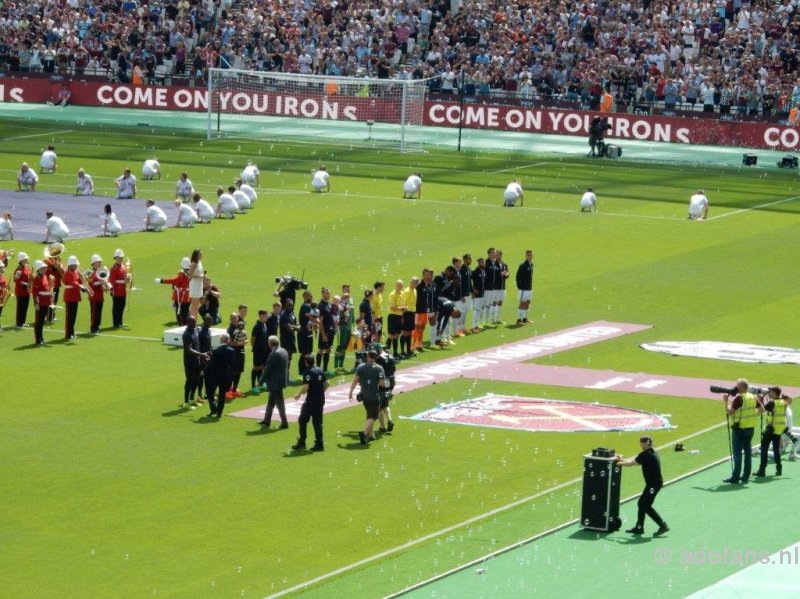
[(775, 405), (286, 289), (742, 410), (597, 131)]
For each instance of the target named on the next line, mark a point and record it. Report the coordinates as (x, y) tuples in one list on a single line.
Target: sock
[(319, 358), (433, 334), (325, 361), (300, 367), (236, 378), (253, 377), (337, 359), (186, 387), (394, 346)]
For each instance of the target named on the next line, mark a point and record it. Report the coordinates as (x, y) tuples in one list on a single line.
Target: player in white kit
[(187, 216), (589, 201), (184, 190), (155, 218), (413, 186), (513, 193), (205, 213), (85, 185), (126, 185), (49, 161), (151, 169), (321, 180)]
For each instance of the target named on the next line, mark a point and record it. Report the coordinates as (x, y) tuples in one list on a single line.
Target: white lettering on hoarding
[(14, 94)]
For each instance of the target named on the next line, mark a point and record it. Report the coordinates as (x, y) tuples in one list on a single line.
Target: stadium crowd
[(722, 55)]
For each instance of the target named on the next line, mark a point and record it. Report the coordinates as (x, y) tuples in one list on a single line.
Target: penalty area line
[(60, 132), (775, 203), (104, 335), (519, 168), (478, 518)]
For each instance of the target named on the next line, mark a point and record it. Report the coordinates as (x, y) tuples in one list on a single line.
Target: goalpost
[(359, 112)]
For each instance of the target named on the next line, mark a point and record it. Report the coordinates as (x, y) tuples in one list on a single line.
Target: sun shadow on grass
[(206, 420), (723, 488), (589, 535), (262, 430), (175, 412)]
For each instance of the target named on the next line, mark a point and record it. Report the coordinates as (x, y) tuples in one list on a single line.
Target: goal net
[(316, 108)]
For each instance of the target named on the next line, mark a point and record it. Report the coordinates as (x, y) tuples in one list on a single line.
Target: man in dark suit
[(276, 377), (219, 374)]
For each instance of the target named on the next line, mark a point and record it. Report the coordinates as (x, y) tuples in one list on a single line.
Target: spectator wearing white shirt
[(155, 218), (249, 191), (6, 227), (49, 161), (26, 178), (184, 190), (250, 174), (413, 186), (205, 213), (321, 180), (111, 224), (589, 201), (85, 185), (698, 206), (513, 193), (126, 185), (55, 229), (187, 216), (226, 205), (151, 169)]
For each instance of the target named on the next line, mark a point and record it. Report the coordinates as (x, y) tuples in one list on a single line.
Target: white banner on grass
[(720, 350)]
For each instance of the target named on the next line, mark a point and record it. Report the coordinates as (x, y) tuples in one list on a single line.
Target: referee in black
[(314, 386), (651, 470)]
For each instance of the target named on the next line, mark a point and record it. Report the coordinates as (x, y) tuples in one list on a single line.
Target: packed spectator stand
[(726, 57)]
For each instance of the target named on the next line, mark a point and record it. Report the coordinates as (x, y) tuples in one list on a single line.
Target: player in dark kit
[(386, 361), (258, 341), (651, 470), (314, 386), (446, 309), (524, 287)]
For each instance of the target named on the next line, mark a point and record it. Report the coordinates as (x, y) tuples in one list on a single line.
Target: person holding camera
[(742, 410), (314, 386), (372, 378), (597, 131), (385, 361), (651, 471), (287, 323), (775, 406)]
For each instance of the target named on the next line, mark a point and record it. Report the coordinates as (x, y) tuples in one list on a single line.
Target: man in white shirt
[(55, 229), (226, 205), (242, 199), (6, 227), (151, 169), (413, 186), (205, 213), (184, 190), (250, 174), (589, 201), (321, 180), (698, 206), (48, 161), (513, 193), (85, 185), (27, 178), (251, 193), (155, 218), (126, 185), (187, 216)]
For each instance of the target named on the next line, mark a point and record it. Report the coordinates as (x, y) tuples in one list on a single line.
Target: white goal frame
[(356, 111)]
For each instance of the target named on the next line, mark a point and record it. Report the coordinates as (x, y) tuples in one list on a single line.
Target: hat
[(186, 263), (38, 264), (22, 256), (119, 253), (72, 261), (95, 258)]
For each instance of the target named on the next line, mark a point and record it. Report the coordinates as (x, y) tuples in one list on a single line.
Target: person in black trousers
[(219, 375), (314, 386), (651, 470), (276, 377), (191, 362)]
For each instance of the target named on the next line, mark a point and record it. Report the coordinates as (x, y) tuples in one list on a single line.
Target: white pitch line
[(574, 419), (467, 522), (775, 203), (38, 134), (110, 335), (519, 168)]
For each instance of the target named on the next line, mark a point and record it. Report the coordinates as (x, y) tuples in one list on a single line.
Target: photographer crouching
[(775, 405), (742, 408)]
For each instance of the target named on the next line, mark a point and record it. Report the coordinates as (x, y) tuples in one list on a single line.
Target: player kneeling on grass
[(322, 180), (84, 185), (242, 199), (26, 178), (698, 206), (651, 470), (413, 186), (184, 190), (205, 213), (248, 191), (49, 161), (111, 224), (126, 185), (589, 201), (226, 204), (151, 169), (250, 174), (55, 229), (513, 193), (187, 216), (155, 218), (314, 386)]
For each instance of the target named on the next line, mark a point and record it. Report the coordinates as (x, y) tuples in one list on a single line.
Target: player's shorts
[(501, 295), (260, 358), (372, 408), (326, 344), (395, 323), (525, 295), (305, 344), (489, 297), (409, 320)]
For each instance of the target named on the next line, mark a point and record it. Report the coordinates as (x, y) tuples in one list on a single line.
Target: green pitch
[(110, 490)]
